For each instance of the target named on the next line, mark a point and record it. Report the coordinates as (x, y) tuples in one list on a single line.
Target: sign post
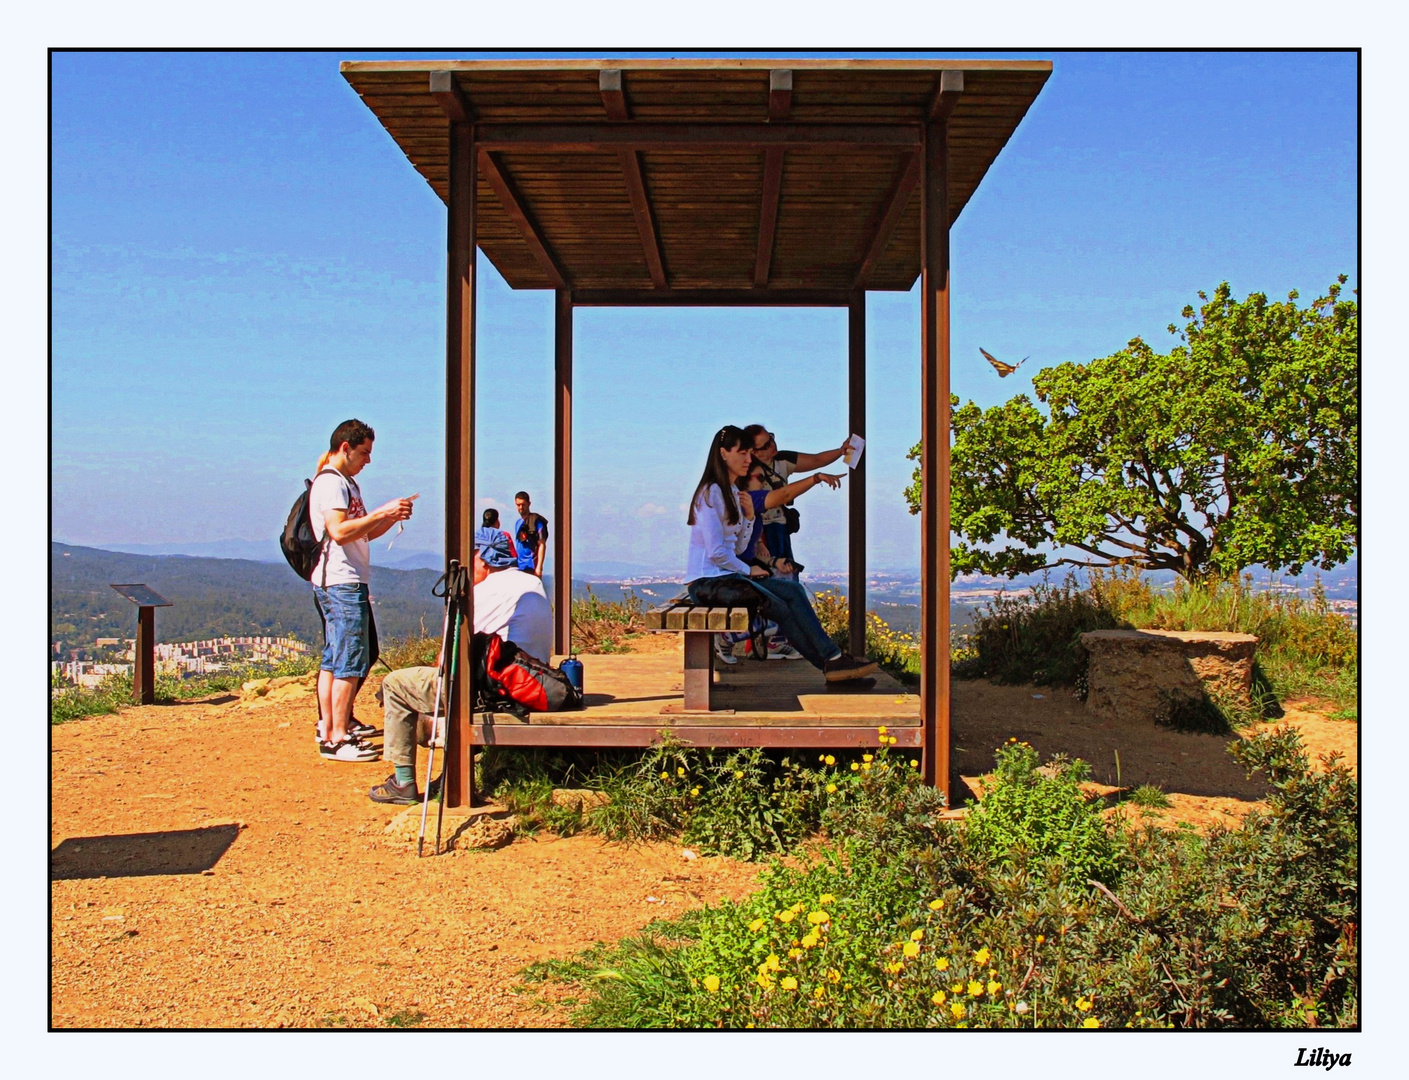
[(144, 655)]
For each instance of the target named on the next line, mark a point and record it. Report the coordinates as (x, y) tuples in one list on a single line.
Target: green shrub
[(417, 651), (604, 626), (1254, 928)]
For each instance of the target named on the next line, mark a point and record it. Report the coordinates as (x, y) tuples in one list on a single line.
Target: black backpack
[(300, 547)]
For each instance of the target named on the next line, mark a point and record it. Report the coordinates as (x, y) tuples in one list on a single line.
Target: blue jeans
[(789, 607), (346, 612)]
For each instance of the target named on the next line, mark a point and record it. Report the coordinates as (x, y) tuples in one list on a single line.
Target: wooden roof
[(701, 174)]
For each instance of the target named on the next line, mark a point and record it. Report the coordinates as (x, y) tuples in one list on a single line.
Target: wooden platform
[(631, 698)]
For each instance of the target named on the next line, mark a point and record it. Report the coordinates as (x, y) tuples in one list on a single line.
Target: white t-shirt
[(513, 605), (350, 563), (785, 464)]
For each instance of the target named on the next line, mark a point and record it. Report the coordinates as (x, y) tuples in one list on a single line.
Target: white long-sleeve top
[(715, 545)]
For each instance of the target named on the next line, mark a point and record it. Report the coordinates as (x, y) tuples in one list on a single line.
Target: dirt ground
[(210, 870)]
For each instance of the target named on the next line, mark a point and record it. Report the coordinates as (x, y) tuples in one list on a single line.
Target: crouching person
[(507, 602)]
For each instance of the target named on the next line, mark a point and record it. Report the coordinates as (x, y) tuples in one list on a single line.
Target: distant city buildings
[(184, 659)]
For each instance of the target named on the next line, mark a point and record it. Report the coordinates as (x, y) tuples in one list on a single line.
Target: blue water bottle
[(572, 668)]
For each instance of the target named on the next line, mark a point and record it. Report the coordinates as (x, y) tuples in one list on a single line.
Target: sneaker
[(358, 730), (724, 653), (349, 749), (847, 666), (781, 650), (391, 792)]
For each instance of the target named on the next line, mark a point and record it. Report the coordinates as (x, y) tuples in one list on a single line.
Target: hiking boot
[(349, 749), (724, 653), (390, 791), (781, 650), (847, 666)]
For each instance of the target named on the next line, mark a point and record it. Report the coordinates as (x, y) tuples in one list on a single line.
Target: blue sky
[(242, 258)]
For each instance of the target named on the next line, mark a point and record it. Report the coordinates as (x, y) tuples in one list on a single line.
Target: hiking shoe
[(847, 666), (781, 650), (390, 791), (724, 653), (349, 749)]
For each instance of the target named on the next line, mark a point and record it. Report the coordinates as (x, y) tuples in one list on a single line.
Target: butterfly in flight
[(1004, 370)]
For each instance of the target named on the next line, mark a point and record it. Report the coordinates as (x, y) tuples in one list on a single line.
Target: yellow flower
[(914, 764), (817, 918), (866, 767), (694, 791), (833, 975), (912, 948), (665, 776), (935, 905), (958, 1010), (975, 988), (994, 987), (1090, 1022), (942, 963), (827, 898), (894, 966), (939, 997), (830, 760), (957, 988), (711, 983), (866, 757), (917, 935), (788, 983), (1084, 1004), (981, 957), (756, 925), (739, 775), (680, 772), (798, 908), (820, 993), (793, 954), (881, 730), (786, 916), (764, 980), (1041, 938), (821, 757), (810, 940)]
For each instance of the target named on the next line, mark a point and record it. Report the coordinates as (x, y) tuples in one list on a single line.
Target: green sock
[(406, 774)]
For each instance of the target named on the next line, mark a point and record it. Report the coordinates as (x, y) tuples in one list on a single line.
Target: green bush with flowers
[(1249, 928)]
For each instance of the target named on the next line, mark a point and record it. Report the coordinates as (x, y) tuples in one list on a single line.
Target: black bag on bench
[(736, 592)]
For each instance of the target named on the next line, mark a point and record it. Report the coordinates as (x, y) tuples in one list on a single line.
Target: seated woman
[(720, 532)]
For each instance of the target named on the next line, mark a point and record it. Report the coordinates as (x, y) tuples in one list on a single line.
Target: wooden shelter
[(707, 182)]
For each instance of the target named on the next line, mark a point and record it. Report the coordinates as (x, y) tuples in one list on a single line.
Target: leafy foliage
[(603, 626), (1254, 928), (1240, 446)]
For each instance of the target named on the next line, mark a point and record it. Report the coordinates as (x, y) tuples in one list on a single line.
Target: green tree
[(1239, 446)]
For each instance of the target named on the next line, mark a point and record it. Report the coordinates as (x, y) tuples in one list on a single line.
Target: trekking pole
[(457, 584), (435, 713)]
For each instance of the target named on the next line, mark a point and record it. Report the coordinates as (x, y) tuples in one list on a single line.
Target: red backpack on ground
[(507, 679)]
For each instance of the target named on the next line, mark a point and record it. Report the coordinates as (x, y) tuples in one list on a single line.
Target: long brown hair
[(716, 473)]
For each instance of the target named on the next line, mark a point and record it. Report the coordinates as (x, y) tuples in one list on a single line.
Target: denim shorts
[(347, 617)]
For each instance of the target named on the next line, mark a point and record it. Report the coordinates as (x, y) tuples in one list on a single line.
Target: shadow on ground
[(182, 851)]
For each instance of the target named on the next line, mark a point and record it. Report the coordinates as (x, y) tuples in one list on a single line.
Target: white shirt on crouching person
[(513, 605)]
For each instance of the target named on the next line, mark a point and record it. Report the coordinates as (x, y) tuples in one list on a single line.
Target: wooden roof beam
[(614, 101), (711, 297), (780, 103), (512, 201), (883, 224), (661, 135), (946, 95), (447, 93)]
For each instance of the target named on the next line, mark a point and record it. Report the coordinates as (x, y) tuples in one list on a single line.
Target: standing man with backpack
[(530, 537), (344, 528)]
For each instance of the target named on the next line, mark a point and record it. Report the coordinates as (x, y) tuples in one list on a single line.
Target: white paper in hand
[(856, 444)]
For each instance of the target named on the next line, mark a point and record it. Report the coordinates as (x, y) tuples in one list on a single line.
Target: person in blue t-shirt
[(530, 536)]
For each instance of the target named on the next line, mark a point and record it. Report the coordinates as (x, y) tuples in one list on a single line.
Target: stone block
[(1135, 675)]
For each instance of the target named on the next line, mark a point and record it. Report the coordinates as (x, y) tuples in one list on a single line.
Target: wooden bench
[(699, 625)]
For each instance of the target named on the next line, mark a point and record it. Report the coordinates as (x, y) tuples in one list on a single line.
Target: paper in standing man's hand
[(855, 445)]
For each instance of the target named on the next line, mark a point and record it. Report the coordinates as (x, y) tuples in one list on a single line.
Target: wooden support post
[(562, 473), (144, 657), (699, 670), (460, 441), (934, 456), (856, 523)]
